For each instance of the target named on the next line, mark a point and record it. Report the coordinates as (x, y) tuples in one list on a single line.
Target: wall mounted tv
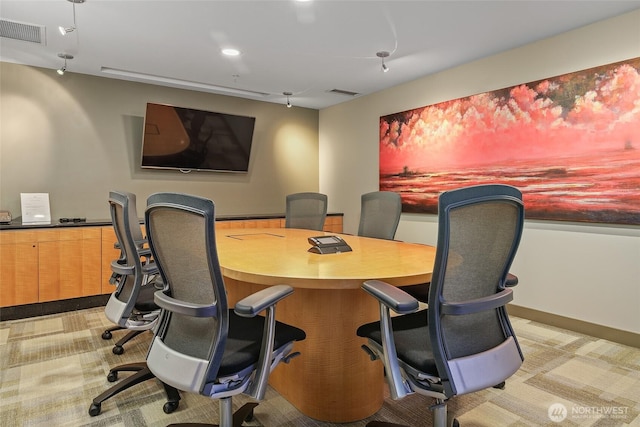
[(188, 139)]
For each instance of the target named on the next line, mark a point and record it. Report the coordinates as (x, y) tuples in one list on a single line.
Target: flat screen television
[(189, 139)]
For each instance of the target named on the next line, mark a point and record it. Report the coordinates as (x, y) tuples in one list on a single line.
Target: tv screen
[(190, 139)]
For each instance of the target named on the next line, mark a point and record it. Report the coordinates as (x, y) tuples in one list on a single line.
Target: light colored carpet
[(53, 366)]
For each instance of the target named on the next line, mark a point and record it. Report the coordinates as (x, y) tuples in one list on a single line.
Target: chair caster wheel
[(118, 349), (250, 417), (169, 407), (94, 409), (112, 377), (106, 335)]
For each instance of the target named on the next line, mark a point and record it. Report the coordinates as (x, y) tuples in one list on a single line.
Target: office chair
[(131, 305), (379, 217), (379, 214), (306, 210), (464, 341), (201, 345)]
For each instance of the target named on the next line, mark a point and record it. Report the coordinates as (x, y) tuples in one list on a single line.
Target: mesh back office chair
[(464, 341), (135, 275), (201, 345), (380, 214), (421, 291), (306, 210), (131, 305)]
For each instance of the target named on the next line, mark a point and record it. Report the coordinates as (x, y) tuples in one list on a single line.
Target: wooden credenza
[(57, 262), (49, 264)]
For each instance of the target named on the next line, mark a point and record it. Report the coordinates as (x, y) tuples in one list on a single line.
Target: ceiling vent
[(343, 92), (20, 31)]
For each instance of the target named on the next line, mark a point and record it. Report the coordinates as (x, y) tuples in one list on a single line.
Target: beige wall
[(76, 137), (586, 272)]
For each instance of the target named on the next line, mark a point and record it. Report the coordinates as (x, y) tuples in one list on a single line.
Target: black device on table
[(328, 245)]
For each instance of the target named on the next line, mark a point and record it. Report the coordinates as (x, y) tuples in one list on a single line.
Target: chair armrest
[(479, 304), (391, 296), (146, 252), (173, 305), (139, 244), (142, 242), (121, 269), (151, 268), (511, 280), (251, 306), (255, 303)]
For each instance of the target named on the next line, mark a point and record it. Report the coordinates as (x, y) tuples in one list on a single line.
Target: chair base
[(118, 347), (244, 413), (142, 373), (440, 417), (106, 335)]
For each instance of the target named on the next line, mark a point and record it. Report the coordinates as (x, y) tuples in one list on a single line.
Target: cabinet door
[(70, 263), (18, 274)]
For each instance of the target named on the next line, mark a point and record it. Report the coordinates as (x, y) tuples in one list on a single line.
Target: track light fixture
[(64, 56), (66, 30), (288, 94), (383, 54)]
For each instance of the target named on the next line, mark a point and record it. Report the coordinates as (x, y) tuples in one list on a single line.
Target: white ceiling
[(307, 48)]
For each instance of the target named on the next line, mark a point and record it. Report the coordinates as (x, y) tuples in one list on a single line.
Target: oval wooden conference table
[(333, 380)]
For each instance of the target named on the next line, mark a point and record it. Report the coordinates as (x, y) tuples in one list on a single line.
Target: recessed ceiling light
[(231, 52)]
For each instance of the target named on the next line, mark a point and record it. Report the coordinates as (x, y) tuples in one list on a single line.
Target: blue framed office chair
[(463, 342), (379, 214), (306, 210), (203, 346), (135, 275), (131, 305)]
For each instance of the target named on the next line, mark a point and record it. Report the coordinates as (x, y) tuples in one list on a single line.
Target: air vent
[(20, 31), (343, 92)]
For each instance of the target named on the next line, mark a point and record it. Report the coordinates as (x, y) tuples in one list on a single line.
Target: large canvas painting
[(570, 143)]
